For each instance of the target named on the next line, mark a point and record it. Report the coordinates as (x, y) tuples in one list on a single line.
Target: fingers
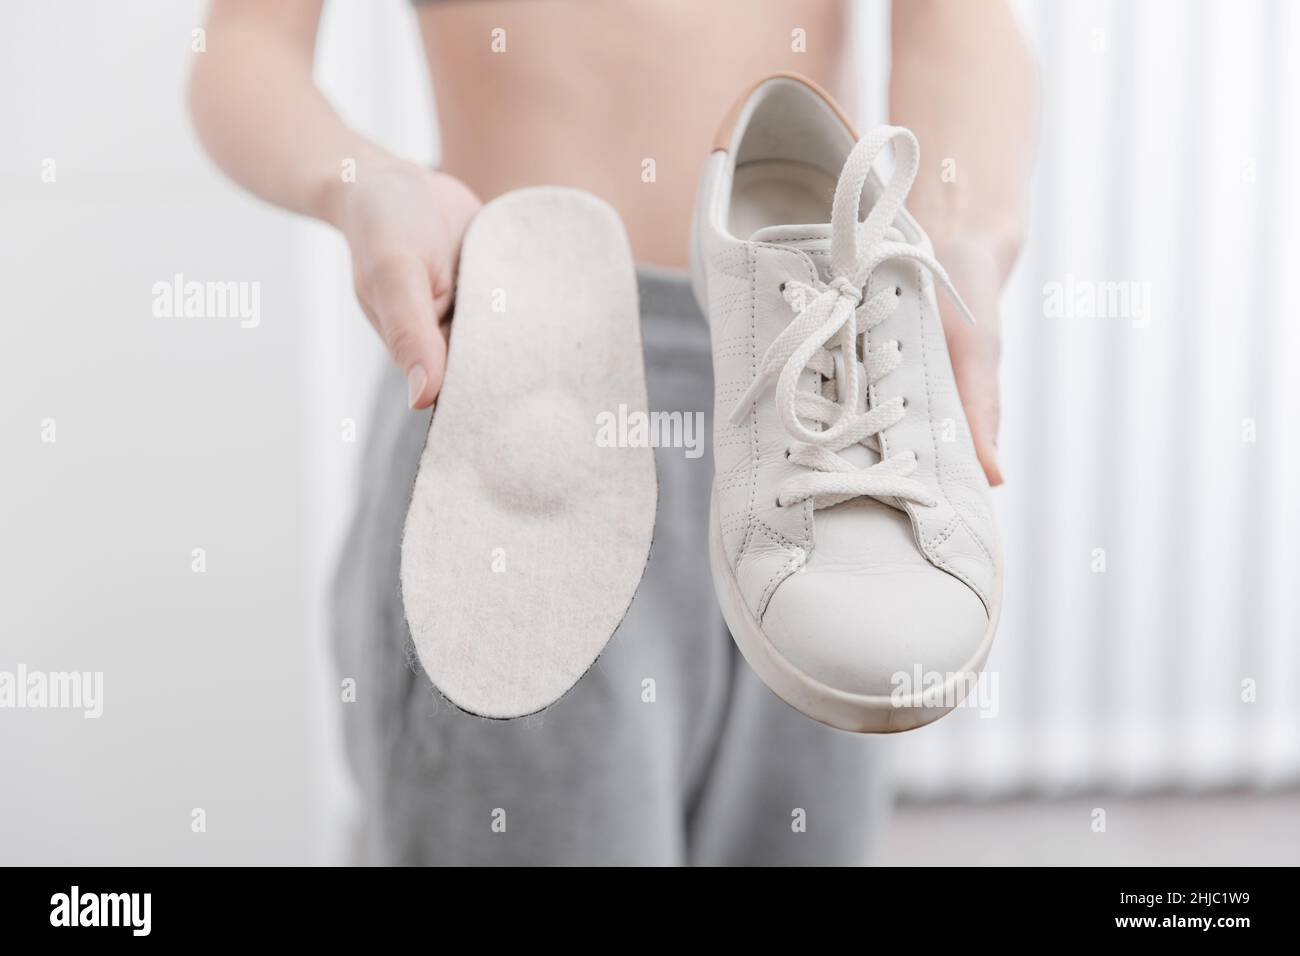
[(976, 351), (976, 373), (405, 305)]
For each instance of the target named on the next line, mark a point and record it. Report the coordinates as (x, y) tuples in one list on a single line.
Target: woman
[(707, 766)]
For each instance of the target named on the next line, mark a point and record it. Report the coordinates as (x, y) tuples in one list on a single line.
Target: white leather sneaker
[(852, 540)]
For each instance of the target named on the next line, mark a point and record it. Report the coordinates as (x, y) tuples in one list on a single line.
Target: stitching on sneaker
[(944, 534), (776, 535), (956, 572), (939, 476), (781, 573), (752, 273)]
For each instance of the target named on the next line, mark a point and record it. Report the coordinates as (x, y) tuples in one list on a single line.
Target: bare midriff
[(618, 97)]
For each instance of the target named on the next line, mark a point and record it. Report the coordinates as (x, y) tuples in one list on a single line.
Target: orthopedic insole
[(526, 537)]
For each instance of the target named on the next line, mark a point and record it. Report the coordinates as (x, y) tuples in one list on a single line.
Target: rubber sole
[(858, 713)]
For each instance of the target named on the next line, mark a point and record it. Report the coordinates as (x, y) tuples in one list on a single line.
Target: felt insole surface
[(525, 538)]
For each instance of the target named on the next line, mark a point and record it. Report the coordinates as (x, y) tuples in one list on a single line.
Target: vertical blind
[(1150, 635)]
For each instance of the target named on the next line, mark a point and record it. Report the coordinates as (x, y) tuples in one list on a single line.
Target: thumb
[(402, 298)]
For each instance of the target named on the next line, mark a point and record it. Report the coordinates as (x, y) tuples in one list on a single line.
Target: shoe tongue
[(814, 239)]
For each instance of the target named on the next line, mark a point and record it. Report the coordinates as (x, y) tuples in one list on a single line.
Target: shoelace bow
[(823, 337)]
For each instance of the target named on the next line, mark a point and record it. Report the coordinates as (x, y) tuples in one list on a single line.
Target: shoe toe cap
[(868, 632)]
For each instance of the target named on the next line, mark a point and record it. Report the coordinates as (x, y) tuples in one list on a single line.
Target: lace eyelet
[(898, 290), (778, 503), (904, 403), (781, 288), (787, 454)]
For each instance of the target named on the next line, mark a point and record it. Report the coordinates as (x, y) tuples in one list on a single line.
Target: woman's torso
[(584, 93)]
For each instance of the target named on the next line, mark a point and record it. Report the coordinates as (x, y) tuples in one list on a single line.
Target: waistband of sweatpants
[(666, 294)]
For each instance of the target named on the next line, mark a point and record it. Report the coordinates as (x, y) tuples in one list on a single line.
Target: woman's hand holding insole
[(404, 226)]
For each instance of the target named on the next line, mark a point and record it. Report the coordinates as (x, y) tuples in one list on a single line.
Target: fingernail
[(415, 380)]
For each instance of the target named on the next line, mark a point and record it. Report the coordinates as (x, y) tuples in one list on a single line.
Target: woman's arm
[(258, 113), (963, 80), (264, 122)]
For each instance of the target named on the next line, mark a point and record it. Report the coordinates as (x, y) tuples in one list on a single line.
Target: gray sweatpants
[(703, 766)]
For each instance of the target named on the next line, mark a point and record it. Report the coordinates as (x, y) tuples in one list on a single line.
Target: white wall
[(171, 434)]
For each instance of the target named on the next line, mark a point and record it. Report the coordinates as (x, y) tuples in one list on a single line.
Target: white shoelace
[(824, 337)]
